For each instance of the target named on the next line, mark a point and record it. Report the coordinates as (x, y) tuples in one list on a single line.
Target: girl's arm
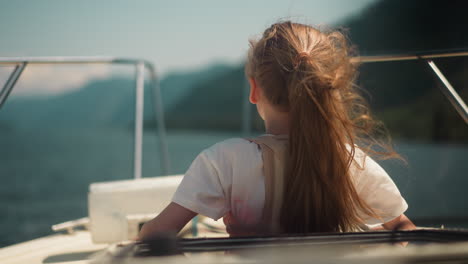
[(172, 219), (402, 222)]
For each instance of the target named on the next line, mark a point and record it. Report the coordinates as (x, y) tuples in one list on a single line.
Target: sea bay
[(46, 173)]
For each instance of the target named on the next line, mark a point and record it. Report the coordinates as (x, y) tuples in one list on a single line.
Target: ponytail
[(318, 193)]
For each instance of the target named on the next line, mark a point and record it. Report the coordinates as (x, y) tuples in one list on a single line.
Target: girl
[(306, 174)]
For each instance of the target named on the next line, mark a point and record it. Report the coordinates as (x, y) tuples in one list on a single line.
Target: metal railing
[(20, 64), (428, 57)]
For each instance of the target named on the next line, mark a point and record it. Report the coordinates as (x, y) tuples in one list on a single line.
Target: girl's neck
[(277, 124)]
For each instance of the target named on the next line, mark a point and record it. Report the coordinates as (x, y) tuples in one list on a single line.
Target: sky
[(176, 35)]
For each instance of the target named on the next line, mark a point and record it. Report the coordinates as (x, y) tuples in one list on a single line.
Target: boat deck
[(59, 248), (78, 246)]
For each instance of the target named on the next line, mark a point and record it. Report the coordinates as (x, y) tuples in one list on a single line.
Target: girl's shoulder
[(232, 142), (231, 160), (367, 172), (240, 145), (232, 147)]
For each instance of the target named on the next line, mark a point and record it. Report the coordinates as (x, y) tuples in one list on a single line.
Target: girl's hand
[(402, 222), (172, 219)]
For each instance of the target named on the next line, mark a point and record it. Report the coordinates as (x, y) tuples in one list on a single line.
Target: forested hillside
[(404, 94)]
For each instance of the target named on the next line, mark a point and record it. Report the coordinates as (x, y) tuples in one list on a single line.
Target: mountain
[(109, 102), (177, 85), (212, 104), (403, 94), (406, 95), (400, 26), (93, 104), (405, 27), (174, 87)]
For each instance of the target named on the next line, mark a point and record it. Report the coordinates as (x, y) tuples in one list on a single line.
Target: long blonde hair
[(309, 74)]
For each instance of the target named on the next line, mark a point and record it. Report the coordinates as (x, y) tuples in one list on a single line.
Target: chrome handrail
[(447, 89), (415, 56), (20, 64)]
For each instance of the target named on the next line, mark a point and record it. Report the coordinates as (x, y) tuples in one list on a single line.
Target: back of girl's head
[(309, 74), (291, 53)]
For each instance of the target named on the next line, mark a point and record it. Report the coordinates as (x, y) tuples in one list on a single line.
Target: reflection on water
[(45, 174)]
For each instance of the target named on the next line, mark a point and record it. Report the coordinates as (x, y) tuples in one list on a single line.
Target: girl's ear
[(254, 91)]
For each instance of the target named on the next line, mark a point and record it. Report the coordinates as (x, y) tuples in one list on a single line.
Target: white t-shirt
[(228, 177)]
